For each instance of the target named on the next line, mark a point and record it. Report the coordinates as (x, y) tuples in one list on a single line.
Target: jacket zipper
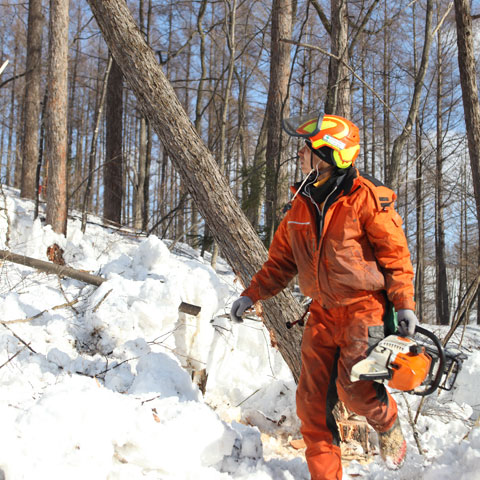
[(322, 219)]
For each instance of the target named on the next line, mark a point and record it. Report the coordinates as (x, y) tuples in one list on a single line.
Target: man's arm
[(383, 226), (277, 271)]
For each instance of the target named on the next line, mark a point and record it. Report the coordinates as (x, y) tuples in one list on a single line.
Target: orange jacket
[(362, 249)]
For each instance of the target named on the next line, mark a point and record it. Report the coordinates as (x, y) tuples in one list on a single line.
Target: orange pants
[(333, 341)]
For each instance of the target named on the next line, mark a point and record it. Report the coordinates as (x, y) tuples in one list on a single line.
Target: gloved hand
[(407, 321), (238, 308)]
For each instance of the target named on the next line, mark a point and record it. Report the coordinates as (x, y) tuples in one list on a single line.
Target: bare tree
[(338, 95), (208, 187), (140, 199), (57, 110), (33, 98), (393, 171), (443, 310), (113, 168), (277, 108), (230, 27), (468, 81)]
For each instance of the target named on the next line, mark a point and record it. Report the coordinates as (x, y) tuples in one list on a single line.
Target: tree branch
[(48, 267)]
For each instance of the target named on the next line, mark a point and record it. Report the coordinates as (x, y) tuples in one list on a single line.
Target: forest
[(76, 137)]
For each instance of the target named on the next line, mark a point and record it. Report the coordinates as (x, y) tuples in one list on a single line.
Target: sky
[(96, 381)]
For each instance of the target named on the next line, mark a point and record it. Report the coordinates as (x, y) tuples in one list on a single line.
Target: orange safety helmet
[(337, 133)]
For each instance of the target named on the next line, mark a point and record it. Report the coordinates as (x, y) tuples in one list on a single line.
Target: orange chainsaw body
[(409, 370)]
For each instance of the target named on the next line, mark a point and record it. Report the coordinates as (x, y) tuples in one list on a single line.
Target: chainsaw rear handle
[(442, 360)]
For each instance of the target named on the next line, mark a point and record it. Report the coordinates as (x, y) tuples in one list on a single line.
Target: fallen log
[(64, 271), (48, 267)]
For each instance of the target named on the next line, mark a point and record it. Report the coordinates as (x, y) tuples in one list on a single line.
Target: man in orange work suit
[(344, 239)]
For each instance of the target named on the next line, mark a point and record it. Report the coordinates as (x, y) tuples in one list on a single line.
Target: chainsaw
[(410, 365)]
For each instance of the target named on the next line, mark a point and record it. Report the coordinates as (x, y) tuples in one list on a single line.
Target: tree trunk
[(419, 200), (468, 81), (277, 108), (387, 61), (230, 20), (57, 111), (338, 93), (420, 230), (399, 143), (139, 183), (92, 157), (442, 306), (255, 180), (237, 239), (140, 207), (113, 168), (33, 98)]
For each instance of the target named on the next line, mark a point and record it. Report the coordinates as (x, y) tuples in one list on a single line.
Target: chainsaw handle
[(441, 356)]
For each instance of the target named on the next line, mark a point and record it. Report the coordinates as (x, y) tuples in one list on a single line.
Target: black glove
[(238, 308), (407, 321)]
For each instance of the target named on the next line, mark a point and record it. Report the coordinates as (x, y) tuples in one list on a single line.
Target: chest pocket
[(302, 239)]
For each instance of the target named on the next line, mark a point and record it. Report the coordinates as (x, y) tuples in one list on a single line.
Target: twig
[(29, 319), (150, 399), (102, 300), (18, 338), (11, 358), (440, 23), (4, 66), (69, 303), (250, 396), (321, 50), (115, 366), (416, 435), (419, 409), (11, 79), (475, 425)]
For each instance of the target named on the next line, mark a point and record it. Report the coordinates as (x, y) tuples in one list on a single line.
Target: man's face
[(308, 160)]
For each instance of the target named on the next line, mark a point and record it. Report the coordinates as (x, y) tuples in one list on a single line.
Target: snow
[(96, 382)]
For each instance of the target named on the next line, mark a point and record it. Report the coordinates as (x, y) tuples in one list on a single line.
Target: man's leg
[(363, 328), (316, 397)]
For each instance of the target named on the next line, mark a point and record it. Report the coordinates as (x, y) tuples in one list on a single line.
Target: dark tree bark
[(33, 98), (113, 168), (338, 92), (420, 230), (277, 108), (236, 237), (468, 81), (57, 110), (140, 208), (442, 304)]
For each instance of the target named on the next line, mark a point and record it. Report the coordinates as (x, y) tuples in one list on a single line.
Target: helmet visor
[(306, 125)]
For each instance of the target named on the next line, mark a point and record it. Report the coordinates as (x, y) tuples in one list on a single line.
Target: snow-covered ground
[(96, 383)]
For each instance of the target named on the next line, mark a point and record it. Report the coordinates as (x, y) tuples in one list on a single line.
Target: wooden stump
[(351, 427)]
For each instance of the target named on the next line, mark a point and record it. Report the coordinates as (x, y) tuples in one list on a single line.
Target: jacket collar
[(346, 184)]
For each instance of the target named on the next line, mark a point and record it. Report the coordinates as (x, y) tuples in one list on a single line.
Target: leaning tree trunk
[(239, 242)]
